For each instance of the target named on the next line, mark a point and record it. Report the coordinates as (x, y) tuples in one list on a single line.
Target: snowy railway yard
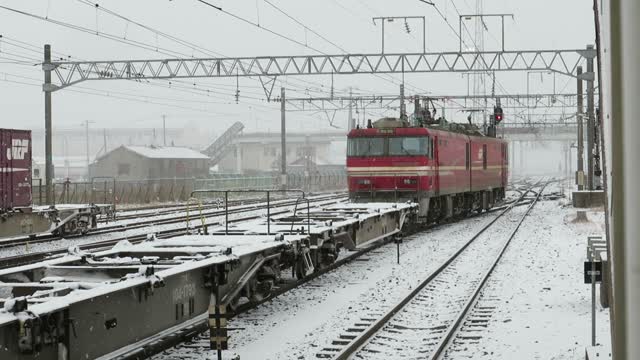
[(369, 180), (544, 314), (449, 293)]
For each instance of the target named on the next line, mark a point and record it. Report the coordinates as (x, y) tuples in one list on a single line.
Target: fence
[(172, 190)]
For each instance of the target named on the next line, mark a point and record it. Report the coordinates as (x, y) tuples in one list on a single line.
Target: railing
[(268, 193), (178, 189)]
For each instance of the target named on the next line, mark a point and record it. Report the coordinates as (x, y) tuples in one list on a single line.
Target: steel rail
[(23, 241), (171, 208), (463, 314), (19, 260), (364, 337), (155, 345)]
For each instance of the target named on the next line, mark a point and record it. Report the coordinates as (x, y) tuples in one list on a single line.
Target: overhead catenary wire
[(147, 99), (36, 49), (106, 35), (75, 27), (191, 45), (385, 77), (459, 36), (262, 27)]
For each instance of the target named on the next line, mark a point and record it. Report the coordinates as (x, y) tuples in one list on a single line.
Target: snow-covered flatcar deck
[(130, 292), (59, 219), (90, 305), (355, 224)]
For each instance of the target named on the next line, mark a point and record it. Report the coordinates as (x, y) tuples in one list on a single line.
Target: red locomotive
[(449, 169)]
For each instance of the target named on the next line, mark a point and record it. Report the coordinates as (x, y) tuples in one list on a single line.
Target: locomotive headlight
[(410, 181), (364, 182)]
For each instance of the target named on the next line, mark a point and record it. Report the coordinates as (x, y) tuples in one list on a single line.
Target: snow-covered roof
[(166, 152)]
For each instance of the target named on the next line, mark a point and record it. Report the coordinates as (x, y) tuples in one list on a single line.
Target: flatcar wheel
[(260, 290)]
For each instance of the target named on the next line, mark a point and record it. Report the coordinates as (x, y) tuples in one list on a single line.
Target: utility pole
[(48, 67), (579, 117), (164, 129), (590, 121), (351, 124), (86, 129), (283, 141), (403, 107)]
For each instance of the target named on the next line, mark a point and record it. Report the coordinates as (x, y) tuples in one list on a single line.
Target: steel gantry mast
[(564, 62)]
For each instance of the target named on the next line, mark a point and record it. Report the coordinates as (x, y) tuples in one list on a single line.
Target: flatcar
[(449, 169), (18, 216)]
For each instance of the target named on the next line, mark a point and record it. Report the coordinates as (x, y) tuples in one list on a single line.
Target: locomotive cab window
[(409, 146), (365, 146)]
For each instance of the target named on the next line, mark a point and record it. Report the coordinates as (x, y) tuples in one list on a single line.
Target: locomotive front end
[(389, 161)]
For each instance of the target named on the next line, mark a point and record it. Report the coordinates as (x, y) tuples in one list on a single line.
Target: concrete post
[(590, 121), (164, 129), (579, 118), (403, 108), (283, 141), (625, 170), (86, 134), (48, 149), (351, 123)]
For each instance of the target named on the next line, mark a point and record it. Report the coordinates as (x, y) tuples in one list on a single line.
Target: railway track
[(195, 214), (176, 336), (32, 257), (167, 209), (425, 321), (195, 333)]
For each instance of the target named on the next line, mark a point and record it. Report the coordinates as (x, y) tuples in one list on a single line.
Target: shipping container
[(15, 169)]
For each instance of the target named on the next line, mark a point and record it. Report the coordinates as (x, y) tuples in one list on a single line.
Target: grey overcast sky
[(210, 103)]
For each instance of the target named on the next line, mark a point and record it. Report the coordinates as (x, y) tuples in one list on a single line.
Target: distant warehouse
[(151, 162)]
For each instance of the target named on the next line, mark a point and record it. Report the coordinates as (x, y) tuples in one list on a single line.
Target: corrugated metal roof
[(166, 152)]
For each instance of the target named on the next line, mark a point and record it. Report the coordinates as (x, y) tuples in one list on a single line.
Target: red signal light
[(497, 114)]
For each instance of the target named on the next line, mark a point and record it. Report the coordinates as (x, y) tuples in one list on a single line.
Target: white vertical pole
[(625, 193)]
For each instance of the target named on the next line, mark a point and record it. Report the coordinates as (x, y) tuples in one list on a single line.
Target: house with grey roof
[(151, 162)]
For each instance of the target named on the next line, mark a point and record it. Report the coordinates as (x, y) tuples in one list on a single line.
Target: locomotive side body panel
[(452, 169), (486, 163)]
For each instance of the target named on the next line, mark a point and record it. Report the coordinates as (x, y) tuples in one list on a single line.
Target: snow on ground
[(539, 306), (542, 307), (297, 324), (415, 331)]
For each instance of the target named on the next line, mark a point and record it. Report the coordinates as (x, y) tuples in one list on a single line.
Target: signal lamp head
[(497, 114)]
